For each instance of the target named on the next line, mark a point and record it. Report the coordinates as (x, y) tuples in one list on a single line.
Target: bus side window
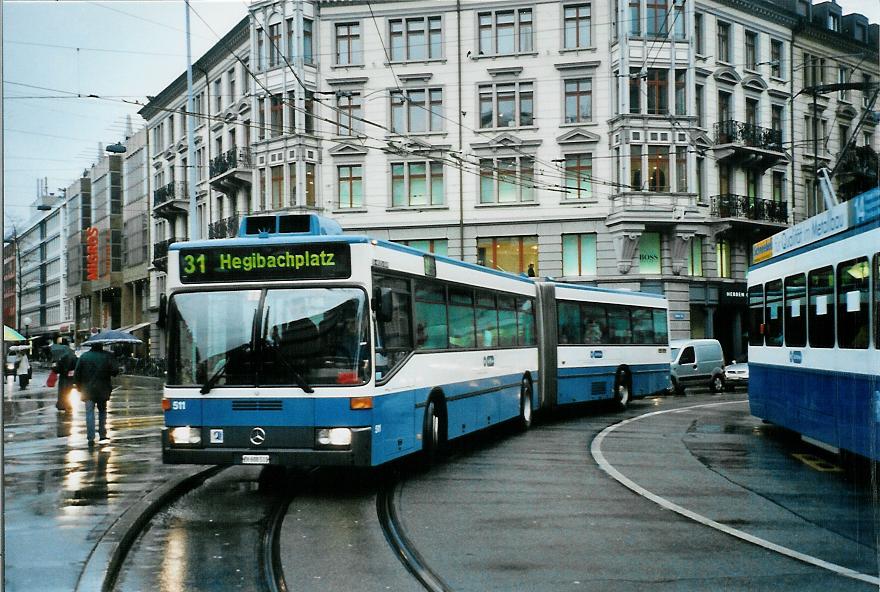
[(569, 323), (756, 315), (619, 326), (661, 327), (394, 337), (642, 326), (461, 318), (820, 297), (487, 320), (853, 278), (506, 321), (595, 323), (795, 319), (525, 313), (773, 313), (431, 323), (877, 301)]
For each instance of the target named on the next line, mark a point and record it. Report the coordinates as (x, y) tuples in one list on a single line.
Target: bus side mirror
[(163, 311), (383, 304)]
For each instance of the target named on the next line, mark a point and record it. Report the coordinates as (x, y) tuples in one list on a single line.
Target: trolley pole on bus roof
[(190, 138)]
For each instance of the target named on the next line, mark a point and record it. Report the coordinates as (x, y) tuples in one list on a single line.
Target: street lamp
[(27, 324)]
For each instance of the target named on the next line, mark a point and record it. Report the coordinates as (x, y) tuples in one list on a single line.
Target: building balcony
[(748, 145), (225, 228), (171, 200), (653, 208), (160, 253), (744, 210), (231, 170)]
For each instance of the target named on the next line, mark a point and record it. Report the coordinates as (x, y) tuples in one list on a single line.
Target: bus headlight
[(333, 437), (185, 435)]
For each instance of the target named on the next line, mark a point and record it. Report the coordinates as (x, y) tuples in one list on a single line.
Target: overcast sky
[(119, 50)]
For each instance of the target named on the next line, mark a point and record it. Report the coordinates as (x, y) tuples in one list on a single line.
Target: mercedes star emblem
[(258, 436)]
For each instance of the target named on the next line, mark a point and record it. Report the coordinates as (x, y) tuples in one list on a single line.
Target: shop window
[(649, 253), (511, 254)]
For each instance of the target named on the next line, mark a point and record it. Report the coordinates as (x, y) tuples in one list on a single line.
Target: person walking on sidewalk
[(64, 363), (24, 371), (92, 377)]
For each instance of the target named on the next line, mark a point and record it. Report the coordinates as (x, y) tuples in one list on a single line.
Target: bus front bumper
[(297, 453)]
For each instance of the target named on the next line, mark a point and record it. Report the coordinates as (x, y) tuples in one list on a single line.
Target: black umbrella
[(112, 336)]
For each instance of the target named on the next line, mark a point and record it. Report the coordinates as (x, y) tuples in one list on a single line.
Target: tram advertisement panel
[(258, 263)]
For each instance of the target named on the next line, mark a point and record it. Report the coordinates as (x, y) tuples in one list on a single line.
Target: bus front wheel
[(432, 432), (525, 404)]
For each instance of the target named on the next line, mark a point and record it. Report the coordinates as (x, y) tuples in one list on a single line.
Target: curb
[(103, 563)]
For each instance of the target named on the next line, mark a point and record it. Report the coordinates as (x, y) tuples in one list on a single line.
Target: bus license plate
[(255, 459)]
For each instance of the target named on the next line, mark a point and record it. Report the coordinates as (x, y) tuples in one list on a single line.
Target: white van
[(696, 362)]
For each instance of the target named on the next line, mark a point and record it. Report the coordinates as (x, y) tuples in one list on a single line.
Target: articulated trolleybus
[(814, 307), (293, 344)]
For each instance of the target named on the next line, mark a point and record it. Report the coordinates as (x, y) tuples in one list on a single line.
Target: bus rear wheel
[(432, 432), (525, 404), (622, 390)]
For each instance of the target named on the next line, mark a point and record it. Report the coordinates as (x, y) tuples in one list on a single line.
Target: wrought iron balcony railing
[(225, 228), (749, 208), (233, 158), (747, 134), (160, 249), (173, 190)]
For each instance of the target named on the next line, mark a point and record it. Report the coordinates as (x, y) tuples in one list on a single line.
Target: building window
[(658, 92), (416, 38), (723, 50), (722, 252), (678, 21), (274, 45), (309, 115), (724, 106), (776, 69), (657, 18), (506, 105), (308, 44), (261, 49), (579, 255), (658, 168), (695, 257), (700, 107), (777, 117), (843, 78), (635, 167), (505, 31), (752, 112), (218, 96), (512, 254), (699, 43), (277, 187), (350, 186), (230, 84), (635, 92), (635, 17), (578, 100), (417, 184), (753, 182), (437, 246), (420, 110), (843, 136), (577, 26), (579, 176), (649, 253), (834, 22), (701, 180), (681, 168), (866, 80), (778, 186), (349, 114), (751, 50), (681, 92), (507, 180), (276, 106), (348, 44)]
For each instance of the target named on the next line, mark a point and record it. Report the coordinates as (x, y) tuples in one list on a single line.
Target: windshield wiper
[(300, 381), (218, 371)]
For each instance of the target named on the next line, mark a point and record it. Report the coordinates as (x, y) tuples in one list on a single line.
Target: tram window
[(619, 328), (525, 313), (461, 318), (795, 310), (569, 323), (506, 321), (394, 337), (487, 320), (877, 301), (642, 326), (773, 313), (661, 326), (595, 323), (853, 279), (820, 294), (756, 315), (431, 324)]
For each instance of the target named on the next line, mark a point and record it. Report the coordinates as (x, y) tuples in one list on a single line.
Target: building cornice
[(833, 39)]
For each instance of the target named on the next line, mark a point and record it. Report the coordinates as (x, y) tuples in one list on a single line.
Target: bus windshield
[(300, 337)]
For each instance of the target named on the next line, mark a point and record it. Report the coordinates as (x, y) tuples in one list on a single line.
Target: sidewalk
[(66, 508)]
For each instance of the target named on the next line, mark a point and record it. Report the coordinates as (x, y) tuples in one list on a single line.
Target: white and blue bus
[(814, 335), (294, 344)]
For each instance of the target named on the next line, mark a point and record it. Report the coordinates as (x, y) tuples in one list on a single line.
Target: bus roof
[(843, 220)]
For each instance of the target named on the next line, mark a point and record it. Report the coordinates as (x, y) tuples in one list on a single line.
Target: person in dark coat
[(63, 363), (92, 378)]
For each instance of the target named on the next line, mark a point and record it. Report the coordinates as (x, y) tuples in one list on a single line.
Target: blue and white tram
[(814, 304), (295, 344)]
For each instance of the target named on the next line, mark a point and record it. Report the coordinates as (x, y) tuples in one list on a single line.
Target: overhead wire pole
[(190, 137)]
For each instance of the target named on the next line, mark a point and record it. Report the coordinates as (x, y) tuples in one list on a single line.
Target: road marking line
[(596, 450), (818, 464)]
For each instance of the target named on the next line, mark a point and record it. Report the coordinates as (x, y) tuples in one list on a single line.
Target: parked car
[(736, 373), (696, 362)]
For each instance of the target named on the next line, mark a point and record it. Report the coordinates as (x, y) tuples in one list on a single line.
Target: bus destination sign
[(258, 263)]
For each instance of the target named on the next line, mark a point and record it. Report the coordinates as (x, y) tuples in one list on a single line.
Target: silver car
[(736, 373)]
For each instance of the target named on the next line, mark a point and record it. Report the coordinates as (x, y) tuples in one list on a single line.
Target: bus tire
[(717, 384), (622, 389), (432, 432), (524, 421)]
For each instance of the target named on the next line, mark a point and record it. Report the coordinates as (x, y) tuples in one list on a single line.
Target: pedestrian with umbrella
[(92, 377), (63, 363)]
